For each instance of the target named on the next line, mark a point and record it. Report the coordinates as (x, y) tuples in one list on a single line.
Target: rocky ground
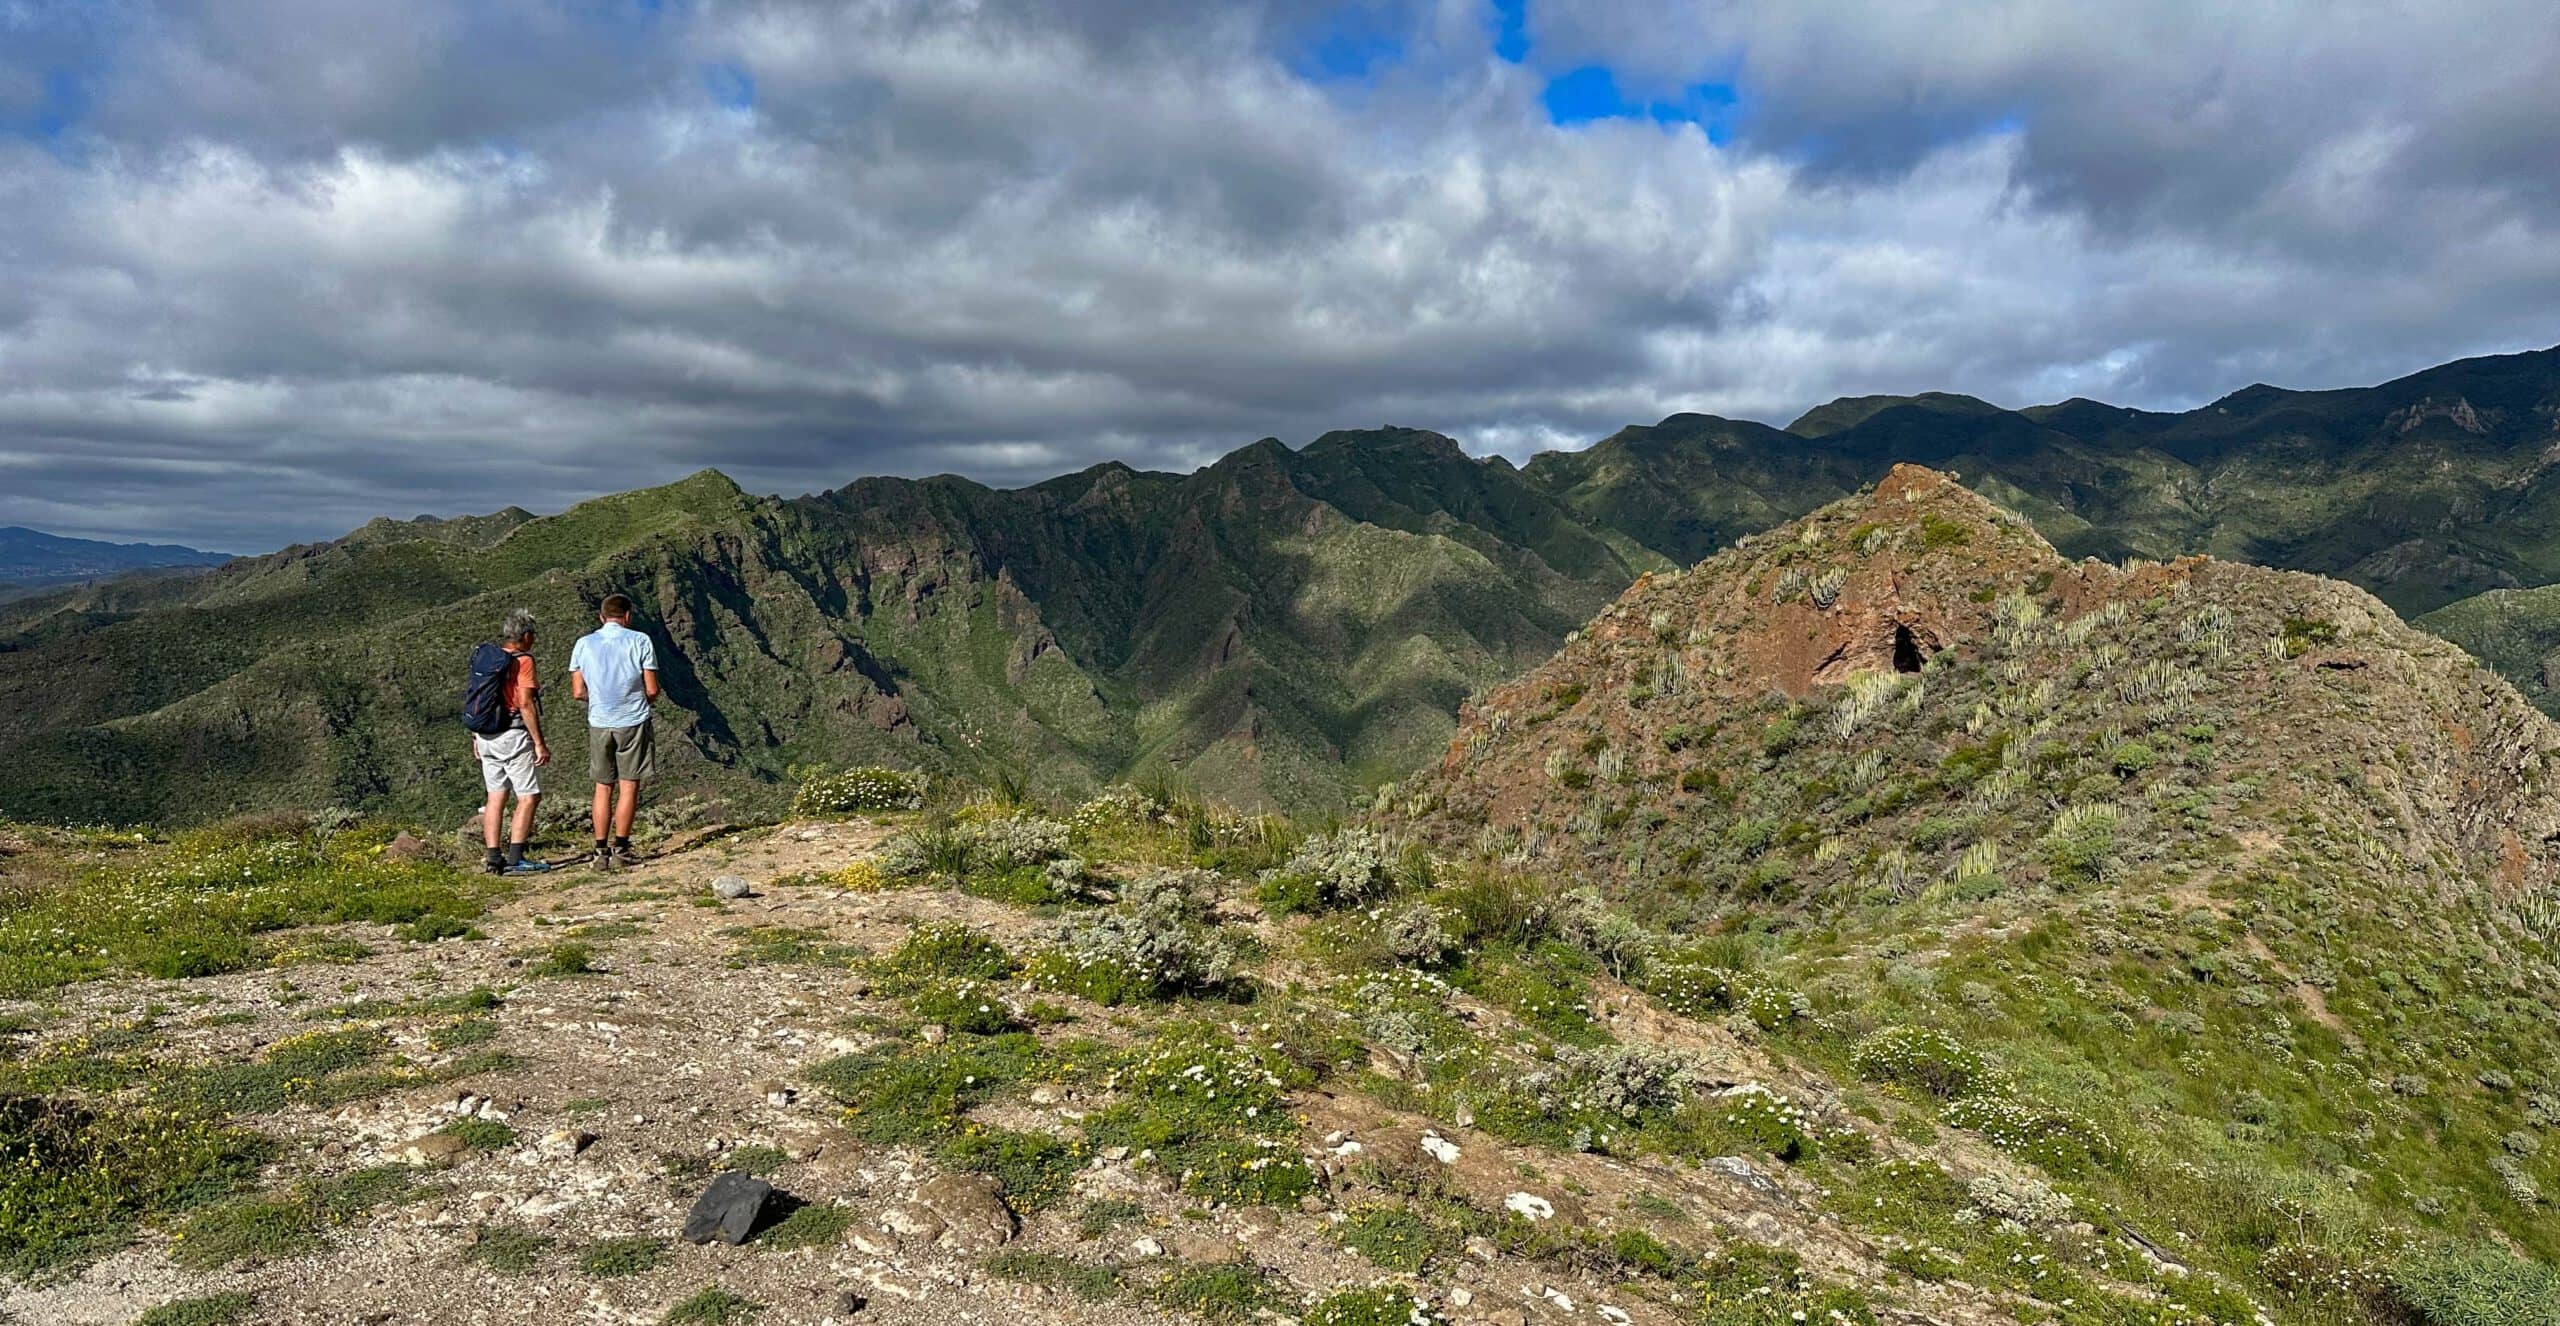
[(632, 1084)]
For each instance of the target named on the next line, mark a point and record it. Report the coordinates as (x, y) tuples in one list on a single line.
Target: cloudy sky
[(271, 267)]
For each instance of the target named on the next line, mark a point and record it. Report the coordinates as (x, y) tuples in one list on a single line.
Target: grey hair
[(517, 626)]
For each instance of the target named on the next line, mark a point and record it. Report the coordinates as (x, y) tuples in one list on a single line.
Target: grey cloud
[(343, 267)]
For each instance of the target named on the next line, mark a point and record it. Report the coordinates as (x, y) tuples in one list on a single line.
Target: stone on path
[(435, 1150), (728, 1209), (730, 887)]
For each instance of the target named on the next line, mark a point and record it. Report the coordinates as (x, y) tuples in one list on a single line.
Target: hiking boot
[(528, 866), (495, 865), (623, 855), (602, 859)]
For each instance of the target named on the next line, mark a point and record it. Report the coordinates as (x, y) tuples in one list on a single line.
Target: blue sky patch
[(1592, 93)]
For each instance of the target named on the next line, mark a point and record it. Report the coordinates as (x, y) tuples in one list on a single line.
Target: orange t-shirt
[(520, 684)]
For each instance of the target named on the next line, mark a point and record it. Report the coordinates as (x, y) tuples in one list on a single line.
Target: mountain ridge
[(1285, 626)]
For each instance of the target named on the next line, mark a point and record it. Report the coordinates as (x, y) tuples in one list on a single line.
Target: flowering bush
[(2062, 1142), (969, 1007), (1922, 1058), (825, 791), (1383, 1305), (1768, 1121)]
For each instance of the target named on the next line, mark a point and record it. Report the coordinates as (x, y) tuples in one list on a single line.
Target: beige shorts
[(622, 754), (506, 762)]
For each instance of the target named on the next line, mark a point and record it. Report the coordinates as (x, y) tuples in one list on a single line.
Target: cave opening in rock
[(1906, 651)]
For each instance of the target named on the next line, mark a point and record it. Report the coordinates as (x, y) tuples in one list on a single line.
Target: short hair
[(517, 626), (615, 605)]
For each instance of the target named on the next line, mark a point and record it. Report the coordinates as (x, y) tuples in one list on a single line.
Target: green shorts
[(622, 754)]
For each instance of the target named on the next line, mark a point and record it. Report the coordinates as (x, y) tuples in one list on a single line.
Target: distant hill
[(30, 558), (2424, 490), (1285, 627)]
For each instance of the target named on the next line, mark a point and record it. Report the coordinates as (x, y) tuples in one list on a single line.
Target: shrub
[(1382, 1305), (1347, 868), (610, 1258), (1395, 1238), (1627, 1080), (1922, 1058), (1768, 1122), (1156, 944), (2082, 842), (2062, 1143), (2476, 1284), (1220, 1295), (507, 1250), (969, 1007), (211, 1310), (1416, 938), (825, 791), (943, 951), (1614, 939), (714, 1306)]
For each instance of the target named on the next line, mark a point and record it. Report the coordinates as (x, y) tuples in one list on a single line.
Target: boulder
[(729, 1209), (972, 1210)]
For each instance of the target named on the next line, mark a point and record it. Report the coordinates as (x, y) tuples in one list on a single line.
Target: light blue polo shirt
[(611, 659)]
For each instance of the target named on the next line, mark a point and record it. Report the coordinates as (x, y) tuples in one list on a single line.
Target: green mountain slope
[(2243, 890), (1235, 626), (2424, 490), (1284, 627), (2516, 631)]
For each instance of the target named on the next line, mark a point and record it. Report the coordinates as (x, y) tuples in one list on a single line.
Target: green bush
[(1220, 1295), (713, 1306), (607, 1259), (1381, 1305), (211, 1310), (74, 1182), (1396, 1238), (1922, 1058), (2476, 1284), (945, 951)]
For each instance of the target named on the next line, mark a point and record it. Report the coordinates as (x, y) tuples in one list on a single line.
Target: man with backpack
[(615, 670), (502, 706)]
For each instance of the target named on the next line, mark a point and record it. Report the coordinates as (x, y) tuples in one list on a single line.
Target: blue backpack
[(484, 698)]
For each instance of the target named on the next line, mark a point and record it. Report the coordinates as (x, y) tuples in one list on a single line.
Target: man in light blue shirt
[(615, 670)]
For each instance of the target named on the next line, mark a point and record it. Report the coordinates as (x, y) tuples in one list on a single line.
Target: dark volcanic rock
[(728, 1209)]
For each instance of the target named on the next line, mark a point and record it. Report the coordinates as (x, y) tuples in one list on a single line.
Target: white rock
[(1441, 1148), (1531, 1205), (730, 886), (1147, 1247), (1556, 1296), (1615, 1316)]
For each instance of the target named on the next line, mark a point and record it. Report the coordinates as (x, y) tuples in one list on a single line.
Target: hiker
[(615, 670), (502, 706)]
